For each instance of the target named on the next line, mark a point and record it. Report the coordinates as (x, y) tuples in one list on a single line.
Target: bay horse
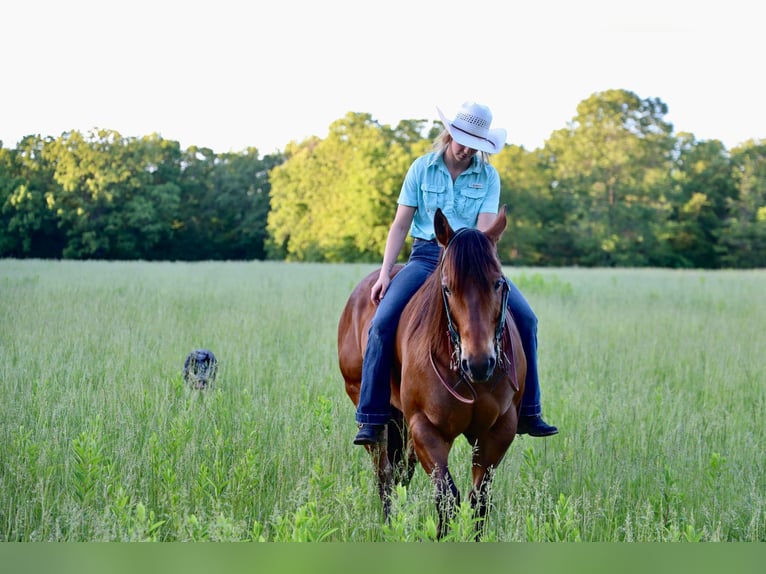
[(458, 368)]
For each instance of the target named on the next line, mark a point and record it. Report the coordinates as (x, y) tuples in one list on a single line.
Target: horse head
[(475, 291)]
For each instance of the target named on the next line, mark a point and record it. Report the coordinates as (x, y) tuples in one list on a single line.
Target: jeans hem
[(531, 411), (376, 419)]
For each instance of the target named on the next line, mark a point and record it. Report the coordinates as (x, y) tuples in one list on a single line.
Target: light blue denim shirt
[(428, 185)]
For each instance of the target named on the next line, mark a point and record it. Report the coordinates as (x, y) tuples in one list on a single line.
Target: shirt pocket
[(469, 202), (434, 196)]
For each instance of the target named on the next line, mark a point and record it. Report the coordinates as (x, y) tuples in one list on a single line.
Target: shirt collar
[(438, 158)]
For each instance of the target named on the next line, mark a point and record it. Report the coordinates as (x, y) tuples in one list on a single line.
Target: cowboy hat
[(471, 128)]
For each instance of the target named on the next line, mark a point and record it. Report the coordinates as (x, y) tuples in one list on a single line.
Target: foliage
[(333, 200), (103, 196), (612, 164), (537, 232), (614, 187), (743, 236)]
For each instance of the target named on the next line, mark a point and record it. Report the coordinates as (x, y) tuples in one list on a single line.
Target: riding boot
[(534, 425), (370, 434)]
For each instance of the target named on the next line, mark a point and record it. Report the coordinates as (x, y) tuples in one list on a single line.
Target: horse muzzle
[(478, 369)]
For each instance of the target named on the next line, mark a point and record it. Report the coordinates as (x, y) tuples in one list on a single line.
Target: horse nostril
[(478, 370)]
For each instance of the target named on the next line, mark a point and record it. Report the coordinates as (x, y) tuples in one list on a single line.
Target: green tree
[(224, 205), (613, 160), (86, 178), (334, 199), (703, 190), (743, 236), (241, 187), (30, 225), (536, 234), (115, 197), (144, 217), (197, 217)]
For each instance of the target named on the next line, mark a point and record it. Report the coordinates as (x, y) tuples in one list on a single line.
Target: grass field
[(654, 377)]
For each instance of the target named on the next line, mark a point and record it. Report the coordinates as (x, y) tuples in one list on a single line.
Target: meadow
[(654, 377)]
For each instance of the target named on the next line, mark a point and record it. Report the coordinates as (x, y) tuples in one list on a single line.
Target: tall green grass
[(654, 377)]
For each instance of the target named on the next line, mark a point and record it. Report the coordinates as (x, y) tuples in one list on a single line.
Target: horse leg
[(383, 473), (480, 494), (488, 451), (447, 498), (432, 450)]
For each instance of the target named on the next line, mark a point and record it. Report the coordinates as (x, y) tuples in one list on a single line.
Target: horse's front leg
[(447, 498), (488, 451), (432, 450), (480, 495)]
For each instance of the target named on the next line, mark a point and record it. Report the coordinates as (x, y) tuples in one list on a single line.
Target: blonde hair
[(442, 141)]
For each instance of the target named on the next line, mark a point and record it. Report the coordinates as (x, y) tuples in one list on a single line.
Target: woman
[(457, 178)]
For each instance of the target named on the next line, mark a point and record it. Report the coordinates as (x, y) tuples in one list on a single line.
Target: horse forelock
[(470, 259)]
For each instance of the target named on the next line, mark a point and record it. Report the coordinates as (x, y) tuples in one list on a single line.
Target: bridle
[(503, 361)]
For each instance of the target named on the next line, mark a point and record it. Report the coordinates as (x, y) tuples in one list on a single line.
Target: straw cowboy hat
[(471, 128)]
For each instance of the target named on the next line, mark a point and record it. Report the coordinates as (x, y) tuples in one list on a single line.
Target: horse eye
[(498, 284), (447, 292)]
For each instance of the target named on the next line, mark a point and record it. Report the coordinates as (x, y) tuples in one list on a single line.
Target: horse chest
[(461, 418), (487, 409)]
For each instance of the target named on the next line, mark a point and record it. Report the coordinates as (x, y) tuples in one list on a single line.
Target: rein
[(451, 390)]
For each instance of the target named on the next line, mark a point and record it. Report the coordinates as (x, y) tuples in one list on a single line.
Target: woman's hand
[(379, 288)]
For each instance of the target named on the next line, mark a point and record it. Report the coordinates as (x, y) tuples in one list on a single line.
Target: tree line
[(104, 196), (614, 187)]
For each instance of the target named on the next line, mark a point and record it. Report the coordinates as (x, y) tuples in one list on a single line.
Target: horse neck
[(428, 312)]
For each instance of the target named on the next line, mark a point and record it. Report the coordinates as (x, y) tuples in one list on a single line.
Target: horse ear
[(495, 231), (442, 228)]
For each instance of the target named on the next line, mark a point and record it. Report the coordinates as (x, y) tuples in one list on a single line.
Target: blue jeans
[(375, 393)]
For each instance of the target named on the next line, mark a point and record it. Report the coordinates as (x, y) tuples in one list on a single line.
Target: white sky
[(230, 74)]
